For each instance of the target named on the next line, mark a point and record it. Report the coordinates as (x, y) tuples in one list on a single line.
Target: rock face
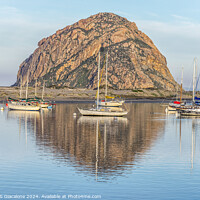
[(70, 57)]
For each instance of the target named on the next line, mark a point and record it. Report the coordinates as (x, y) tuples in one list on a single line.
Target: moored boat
[(102, 112), (176, 105), (109, 101), (99, 111), (23, 106), (194, 111)]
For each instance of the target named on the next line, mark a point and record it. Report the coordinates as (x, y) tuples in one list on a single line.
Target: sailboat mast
[(20, 92), (43, 91), (194, 81), (106, 89), (35, 87), (181, 85), (27, 85), (98, 82)]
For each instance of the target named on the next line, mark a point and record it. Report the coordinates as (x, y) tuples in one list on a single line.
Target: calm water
[(147, 155)]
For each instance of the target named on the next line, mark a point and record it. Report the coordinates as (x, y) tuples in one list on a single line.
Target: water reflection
[(193, 141), (100, 146), (193, 121), (27, 121)]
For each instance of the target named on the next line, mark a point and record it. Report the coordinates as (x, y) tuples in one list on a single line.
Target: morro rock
[(70, 56)]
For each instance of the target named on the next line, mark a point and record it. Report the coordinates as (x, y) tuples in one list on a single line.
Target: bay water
[(56, 154)]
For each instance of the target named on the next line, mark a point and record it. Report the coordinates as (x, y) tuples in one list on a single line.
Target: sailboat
[(102, 112), (109, 101), (41, 102), (21, 104), (27, 106), (99, 111), (177, 104), (193, 110)]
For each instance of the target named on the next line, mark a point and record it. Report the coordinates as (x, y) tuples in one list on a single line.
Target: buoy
[(115, 118), (49, 107)]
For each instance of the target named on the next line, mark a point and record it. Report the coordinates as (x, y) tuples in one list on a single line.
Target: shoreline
[(88, 95), (84, 101)]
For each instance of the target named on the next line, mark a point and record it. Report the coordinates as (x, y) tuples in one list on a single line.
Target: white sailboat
[(109, 101), (99, 111), (193, 110), (177, 104), (23, 105), (102, 112), (43, 104)]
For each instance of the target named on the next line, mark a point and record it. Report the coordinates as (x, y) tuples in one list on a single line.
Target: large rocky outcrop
[(70, 56)]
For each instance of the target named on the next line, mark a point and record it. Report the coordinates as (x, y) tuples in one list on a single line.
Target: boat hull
[(171, 108), (44, 105), (102, 113), (190, 113), (23, 107)]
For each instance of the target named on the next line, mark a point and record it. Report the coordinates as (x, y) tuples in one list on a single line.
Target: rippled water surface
[(146, 155)]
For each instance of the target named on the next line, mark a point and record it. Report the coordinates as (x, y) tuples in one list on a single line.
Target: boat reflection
[(170, 112), (108, 120), (26, 119), (21, 114)]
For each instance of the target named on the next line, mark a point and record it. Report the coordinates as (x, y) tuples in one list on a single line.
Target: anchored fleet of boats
[(191, 109)]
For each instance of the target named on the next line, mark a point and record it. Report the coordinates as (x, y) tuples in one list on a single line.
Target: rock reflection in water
[(104, 146)]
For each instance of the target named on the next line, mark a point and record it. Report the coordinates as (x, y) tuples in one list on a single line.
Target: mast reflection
[(27, 121)]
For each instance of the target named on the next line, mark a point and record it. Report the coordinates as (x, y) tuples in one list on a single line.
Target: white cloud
[(10, 13), (178, 17), (19, 37), (152, 14), (8, 10), (184, 29)]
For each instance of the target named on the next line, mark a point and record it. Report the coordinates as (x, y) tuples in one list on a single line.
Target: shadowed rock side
[(102, 146), (69, 57)]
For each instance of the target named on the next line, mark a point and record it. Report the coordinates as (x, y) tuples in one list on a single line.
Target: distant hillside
[(70, 56)]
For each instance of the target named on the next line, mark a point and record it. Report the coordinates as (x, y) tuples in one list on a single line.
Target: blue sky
[(173, 25)]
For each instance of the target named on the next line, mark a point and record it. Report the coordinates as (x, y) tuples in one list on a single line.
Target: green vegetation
[(137, 90), (154, 94), (141, 43), (82, 80), (161, 94), (4, 94)]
